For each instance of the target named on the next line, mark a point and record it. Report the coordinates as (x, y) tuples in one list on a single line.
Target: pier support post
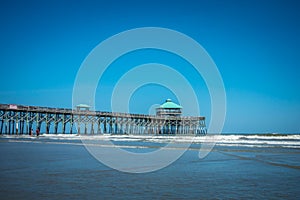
[(71, 127), (99, 126), (85, 128), (92, 128), (1, 126), (55, 127), (104, 127), (47, 127)]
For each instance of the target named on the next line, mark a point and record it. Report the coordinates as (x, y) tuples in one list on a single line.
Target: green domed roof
[(170, 104)]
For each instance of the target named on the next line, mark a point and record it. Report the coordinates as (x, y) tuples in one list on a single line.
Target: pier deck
[(20, 119)]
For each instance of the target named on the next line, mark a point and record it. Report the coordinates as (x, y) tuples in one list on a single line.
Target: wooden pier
[(20, 119)]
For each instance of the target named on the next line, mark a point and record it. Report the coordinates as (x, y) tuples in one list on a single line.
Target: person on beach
[(37, 132)]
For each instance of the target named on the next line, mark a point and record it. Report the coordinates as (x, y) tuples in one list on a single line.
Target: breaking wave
[(251, 140)]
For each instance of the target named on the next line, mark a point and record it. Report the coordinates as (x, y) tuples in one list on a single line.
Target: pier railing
[(20, 119)]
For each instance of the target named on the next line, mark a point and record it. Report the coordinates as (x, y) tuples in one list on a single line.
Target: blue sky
[(255, 45)]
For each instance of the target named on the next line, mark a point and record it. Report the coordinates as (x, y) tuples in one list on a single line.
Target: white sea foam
[(288, 141)]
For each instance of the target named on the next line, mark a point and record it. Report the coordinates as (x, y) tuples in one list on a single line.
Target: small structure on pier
[(83, 107), (172, 111), (169, 108)]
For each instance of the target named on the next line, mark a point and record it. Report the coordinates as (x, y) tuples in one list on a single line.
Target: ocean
[(238, 167)]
